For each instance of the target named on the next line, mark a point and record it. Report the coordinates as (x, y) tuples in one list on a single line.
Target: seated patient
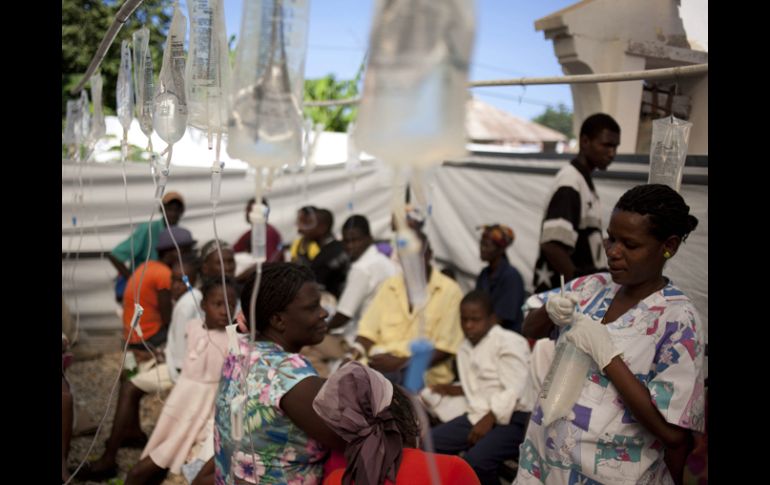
[(187, 417), (494, 370), (378, 422)]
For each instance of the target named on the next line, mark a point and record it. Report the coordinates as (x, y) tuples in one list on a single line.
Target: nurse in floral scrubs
[(643, 396)]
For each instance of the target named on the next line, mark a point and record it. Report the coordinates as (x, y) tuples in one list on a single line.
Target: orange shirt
[(157, 277)]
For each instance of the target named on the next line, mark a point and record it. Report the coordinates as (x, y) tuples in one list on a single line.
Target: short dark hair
[(357, 221), (479, 297), (211, 283), (254, 199), (325, 218), (278, 286), (190, 259), (594, 124), (176, 202), (667, 211)]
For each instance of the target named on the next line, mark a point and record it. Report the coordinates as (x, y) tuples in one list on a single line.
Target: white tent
[(510, 189)]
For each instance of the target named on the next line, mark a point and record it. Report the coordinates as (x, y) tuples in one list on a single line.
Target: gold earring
[(667, 254)]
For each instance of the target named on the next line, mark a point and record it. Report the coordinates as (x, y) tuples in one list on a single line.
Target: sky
[(506, 46)]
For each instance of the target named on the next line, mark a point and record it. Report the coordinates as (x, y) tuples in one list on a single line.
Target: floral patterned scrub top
[(284, 453), (599, 441)]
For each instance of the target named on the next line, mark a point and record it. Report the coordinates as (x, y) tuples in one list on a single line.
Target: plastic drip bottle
[(564, 382), (668, 151), (412, 111), (258, 232), (143, 80), (207, 74), (265, 124), (169, 117)]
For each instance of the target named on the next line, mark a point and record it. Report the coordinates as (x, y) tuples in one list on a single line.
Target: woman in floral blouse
[(283, 440)]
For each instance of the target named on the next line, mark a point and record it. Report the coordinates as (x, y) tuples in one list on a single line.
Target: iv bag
[(564, 382), (353, 161), (143, 79), (207, 74), (170, 107), (72, 123), (265, 122), (668, 151), (412, 111), (311, 135), (411, 254), (82, 134), (98, 127), (124, 91)]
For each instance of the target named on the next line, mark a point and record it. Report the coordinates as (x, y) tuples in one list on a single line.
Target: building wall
[(603, 36)]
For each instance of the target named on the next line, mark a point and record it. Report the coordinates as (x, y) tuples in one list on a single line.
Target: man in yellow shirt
[(390, 324)]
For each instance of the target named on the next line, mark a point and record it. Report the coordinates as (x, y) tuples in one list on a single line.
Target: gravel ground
[(91, 382)]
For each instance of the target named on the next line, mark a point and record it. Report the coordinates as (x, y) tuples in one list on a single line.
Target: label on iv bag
[(138, 310), (232, 339), (236, 417)]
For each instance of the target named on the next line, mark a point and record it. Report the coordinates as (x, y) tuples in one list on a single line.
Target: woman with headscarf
[(501, 281), (378, 422)]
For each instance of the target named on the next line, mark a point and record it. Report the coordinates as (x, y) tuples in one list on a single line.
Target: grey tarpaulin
[(465, 194)]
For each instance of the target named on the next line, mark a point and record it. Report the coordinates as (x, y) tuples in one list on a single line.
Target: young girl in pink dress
[(187, 418)]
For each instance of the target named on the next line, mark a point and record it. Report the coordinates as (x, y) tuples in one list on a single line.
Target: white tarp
[(463, 198)]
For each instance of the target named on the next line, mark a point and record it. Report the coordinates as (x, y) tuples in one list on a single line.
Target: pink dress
[(187, 417)]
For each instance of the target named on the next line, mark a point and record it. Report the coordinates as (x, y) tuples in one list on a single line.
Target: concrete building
[(603, 36)]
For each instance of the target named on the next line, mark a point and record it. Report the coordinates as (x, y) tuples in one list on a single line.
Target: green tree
[(559, 119), (83, 25), (333, 118)]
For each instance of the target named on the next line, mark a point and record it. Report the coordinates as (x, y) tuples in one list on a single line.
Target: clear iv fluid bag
[(564, 382), (412, 111), (411, 254), (353, 161), (207, 74), (124, 91), (84, 130), (170, 106), (72, 122), (259, 239), (144, 84), (265, 122), (98, 127), (668, 151)]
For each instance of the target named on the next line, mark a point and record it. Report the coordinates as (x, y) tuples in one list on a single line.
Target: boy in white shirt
[(493, 364)]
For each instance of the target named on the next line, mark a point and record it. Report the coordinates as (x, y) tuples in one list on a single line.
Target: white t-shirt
[(365, 276), (495, 375), (186, 308)]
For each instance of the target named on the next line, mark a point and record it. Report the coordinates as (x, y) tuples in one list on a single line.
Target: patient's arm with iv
[(298, 406)]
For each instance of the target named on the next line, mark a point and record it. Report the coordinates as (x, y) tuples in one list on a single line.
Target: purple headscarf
[(355, 403)]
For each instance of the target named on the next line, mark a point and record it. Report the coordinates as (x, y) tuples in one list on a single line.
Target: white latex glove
[(560, 308), (592, 338)]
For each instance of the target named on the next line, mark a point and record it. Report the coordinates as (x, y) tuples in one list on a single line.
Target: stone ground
[(91, 376)]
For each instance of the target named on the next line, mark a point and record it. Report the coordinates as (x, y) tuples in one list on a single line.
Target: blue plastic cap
[(422, 351)]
